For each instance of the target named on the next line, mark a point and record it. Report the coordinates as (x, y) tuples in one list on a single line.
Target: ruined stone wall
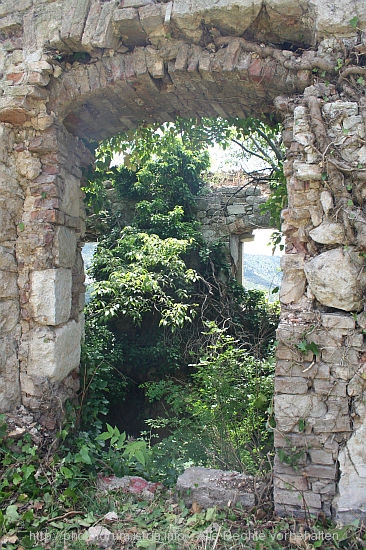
[(321, 421), (230, 212), (73, 71), (228, 209)]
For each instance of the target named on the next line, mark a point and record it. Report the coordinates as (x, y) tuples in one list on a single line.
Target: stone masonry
[(74, 71)]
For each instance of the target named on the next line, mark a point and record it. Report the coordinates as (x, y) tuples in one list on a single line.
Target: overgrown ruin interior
[(73, 71)]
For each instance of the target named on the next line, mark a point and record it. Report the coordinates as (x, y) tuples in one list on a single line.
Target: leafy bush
[(221, 411)]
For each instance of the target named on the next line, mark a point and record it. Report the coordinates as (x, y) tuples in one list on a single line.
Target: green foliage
[(124, 456), (157, 289), (292, 456), (221, 411), (100, 358), (171, 153), (304, 346), (144, 273), (50, 501), (277, 200)]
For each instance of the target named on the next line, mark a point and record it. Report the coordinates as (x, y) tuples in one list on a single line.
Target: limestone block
[(152, 19), (8, 229), (328, 233), (290, 407), (134, 3), (302, 131), (7, 260), (336, 279), (64, 247), (331, 387), (354, 125), (285, 480), (321, 471), (8, 285), (293, 279), (128, 26), (70, 200), (231, 17), (73, 22), (9, 315), (351, 496), (339, 12), (316, 214), (288, 19), (320, 456), (54, 352), (28, 166), (288, 498), (357, 384), (98, 31), (9, 378), (6, 141), (209, 487), (305, 171), (338, 110), (236, 209), (337, 321), (50, 296), (326, 200), (44, 26), (291, 368), (324, 487), (155, 63), (11, 6), (295, 384)]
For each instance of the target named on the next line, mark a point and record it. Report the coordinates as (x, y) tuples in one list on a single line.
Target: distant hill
[(262, 272)]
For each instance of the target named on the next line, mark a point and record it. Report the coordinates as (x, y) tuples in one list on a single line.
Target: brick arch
[(105, 96), (72, 71)]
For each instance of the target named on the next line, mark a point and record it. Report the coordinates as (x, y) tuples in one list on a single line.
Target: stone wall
[(73, 71), (322, 419), (229, 212), (228, 209)]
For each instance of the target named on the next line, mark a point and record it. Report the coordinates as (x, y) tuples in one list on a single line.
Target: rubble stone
[(208, 488)]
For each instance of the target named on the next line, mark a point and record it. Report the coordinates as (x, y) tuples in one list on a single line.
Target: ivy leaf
[(301, 424), (11, 513), (354, 22), (83, 455)]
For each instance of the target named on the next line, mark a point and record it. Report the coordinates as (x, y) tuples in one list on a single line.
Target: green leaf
[(83, 455), (140, 457), (28, 470), (17, 478), (301, 424), (11, 513), (66, 472), (354, 22), (210, 514)]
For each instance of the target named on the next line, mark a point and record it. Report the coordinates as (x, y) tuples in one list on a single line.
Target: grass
[(166, 523), (52, 501)]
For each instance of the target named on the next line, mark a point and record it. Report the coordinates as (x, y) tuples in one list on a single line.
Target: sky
[(260, 244)]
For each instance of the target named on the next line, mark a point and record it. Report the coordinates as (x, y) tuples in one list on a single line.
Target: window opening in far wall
[(261, 267)]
